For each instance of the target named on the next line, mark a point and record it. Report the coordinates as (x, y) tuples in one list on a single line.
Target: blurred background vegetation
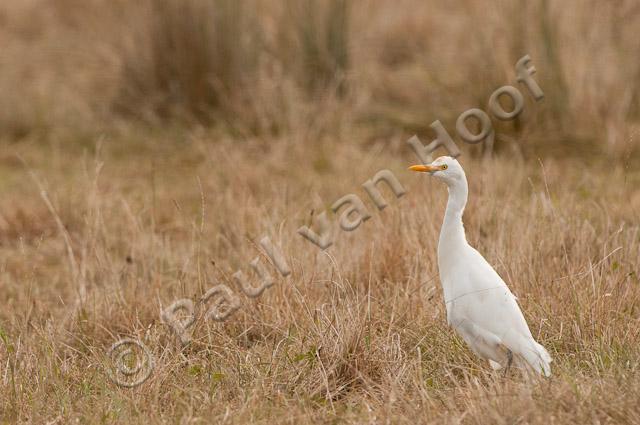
[(74, 70)]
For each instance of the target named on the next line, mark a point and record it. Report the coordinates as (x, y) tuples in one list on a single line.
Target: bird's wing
[(492, 307)]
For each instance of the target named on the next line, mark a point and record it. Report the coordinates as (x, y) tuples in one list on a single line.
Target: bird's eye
[(444, 167)]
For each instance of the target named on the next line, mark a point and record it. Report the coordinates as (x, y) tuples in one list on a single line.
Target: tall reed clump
[(209, 61), (187, 57), (321, 37)]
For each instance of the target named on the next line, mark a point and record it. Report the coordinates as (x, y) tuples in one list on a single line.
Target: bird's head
[(445, 168)]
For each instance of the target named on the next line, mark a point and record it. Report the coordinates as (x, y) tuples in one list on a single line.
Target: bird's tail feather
[(537, 357)]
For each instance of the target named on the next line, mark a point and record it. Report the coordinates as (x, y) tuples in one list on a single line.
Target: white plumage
[(480, 306)]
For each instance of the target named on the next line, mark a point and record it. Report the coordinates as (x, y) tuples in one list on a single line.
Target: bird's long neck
[(452, 235)]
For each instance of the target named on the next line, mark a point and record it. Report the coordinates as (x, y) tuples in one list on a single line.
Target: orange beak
[(425, 168)]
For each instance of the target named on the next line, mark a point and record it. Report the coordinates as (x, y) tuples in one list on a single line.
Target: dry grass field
[(147, 147)]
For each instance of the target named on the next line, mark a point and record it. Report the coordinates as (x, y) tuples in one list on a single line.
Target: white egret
[(480, 306)]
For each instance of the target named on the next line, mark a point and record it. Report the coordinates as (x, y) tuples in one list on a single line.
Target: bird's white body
[(480, 306)]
